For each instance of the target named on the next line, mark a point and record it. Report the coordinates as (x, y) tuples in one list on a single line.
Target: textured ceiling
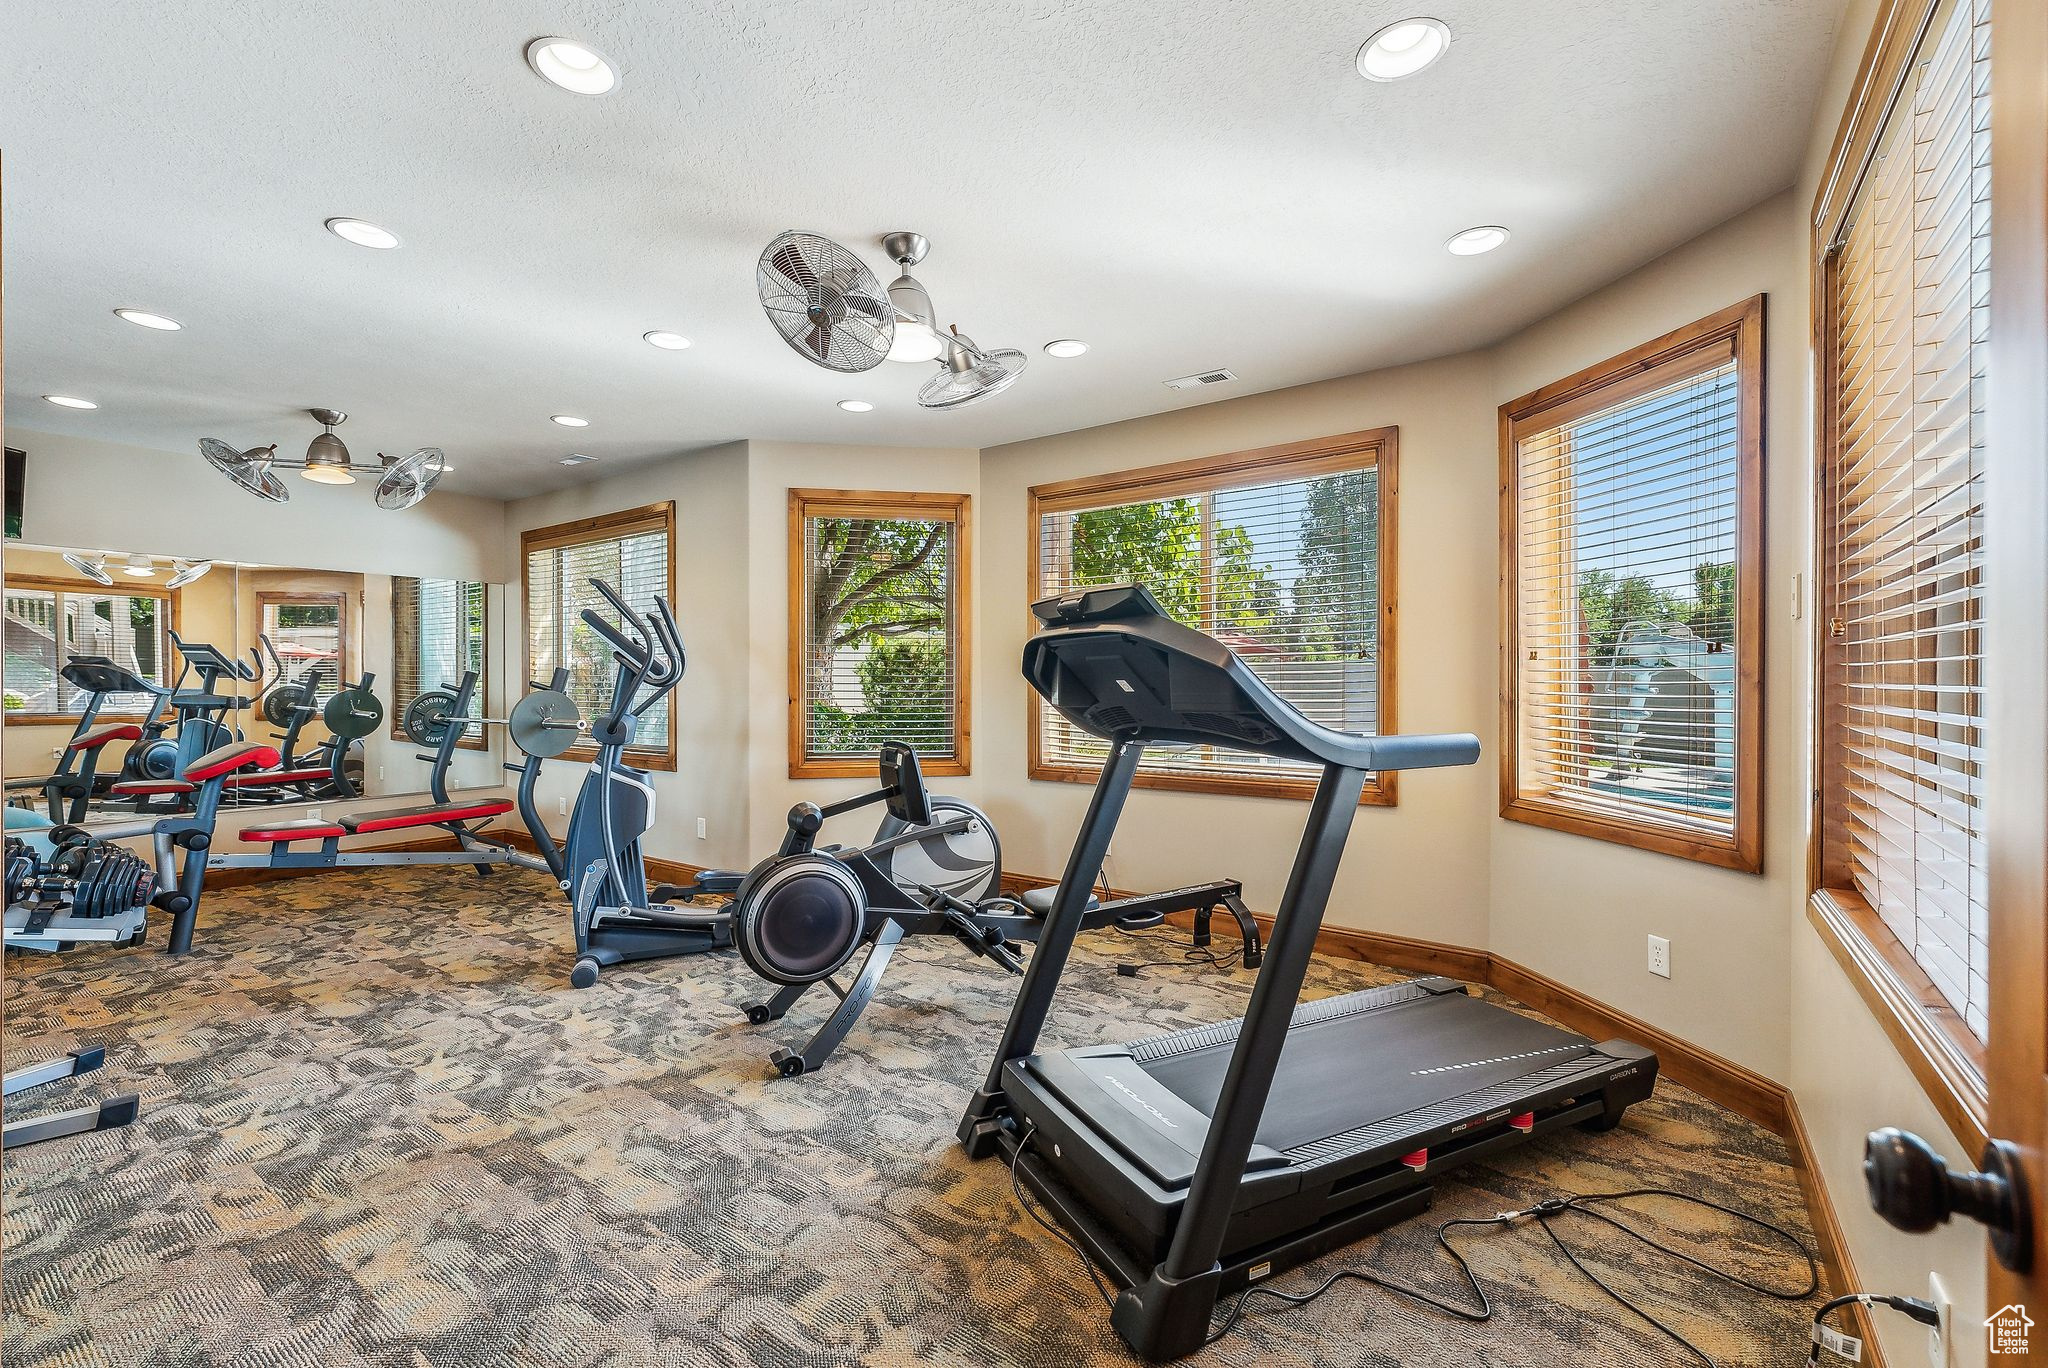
[(1184, 186)]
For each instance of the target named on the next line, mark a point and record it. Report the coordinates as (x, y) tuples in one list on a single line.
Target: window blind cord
[(1542, 1213)]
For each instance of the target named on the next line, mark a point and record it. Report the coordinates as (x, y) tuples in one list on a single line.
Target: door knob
[(1914, 1189)]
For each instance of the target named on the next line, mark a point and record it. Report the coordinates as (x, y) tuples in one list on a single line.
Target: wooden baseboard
[(658, 871), (1832, 1245)]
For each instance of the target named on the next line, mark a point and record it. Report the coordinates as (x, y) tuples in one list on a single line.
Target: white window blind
[(877, 626), (634, 559), (1625, 572), (46, 627), (438, 633), (1284, 571), (1903, 510), (306, 632)]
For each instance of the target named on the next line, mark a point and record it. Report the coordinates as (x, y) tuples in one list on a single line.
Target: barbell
[(545, 723)]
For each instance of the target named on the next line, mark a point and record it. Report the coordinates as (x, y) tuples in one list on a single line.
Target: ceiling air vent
[(1201, 378)]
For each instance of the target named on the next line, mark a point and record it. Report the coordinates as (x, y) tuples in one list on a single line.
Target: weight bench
[(476, 848)]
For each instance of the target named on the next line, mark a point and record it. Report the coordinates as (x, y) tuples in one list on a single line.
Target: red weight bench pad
[(430, 814), (99, 736), (234, 756), (293, 831), (142, 788)]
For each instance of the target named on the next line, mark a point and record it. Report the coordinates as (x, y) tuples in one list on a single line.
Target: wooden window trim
[(1737, 333), (957, 509), (1376, 449), (474, 738), (61, 584), (1939, 1049), (266, 598), (654, 517)]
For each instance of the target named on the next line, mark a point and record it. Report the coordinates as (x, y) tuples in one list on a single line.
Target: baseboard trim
[(1832, 1245)]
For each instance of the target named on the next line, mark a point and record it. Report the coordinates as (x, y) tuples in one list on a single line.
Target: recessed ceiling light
[(1066, 346), (66, 401), (142, 318), (569, 420), (667, 341), (576, 458), (1403, 48), (856, 405), (1474, 241), (362, 234), (569, 64)]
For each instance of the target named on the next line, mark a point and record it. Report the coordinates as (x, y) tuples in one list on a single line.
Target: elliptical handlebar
[(649, 655)]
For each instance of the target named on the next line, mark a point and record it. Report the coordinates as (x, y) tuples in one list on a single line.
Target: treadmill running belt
[(1334, 1074)]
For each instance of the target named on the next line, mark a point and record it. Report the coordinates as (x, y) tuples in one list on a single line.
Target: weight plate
[(426, 717), (278, 705), (546, 723), (357, 712)]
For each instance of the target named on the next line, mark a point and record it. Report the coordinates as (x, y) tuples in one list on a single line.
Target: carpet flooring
[(379, 1128)]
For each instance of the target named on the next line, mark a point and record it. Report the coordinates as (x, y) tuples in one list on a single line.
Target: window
[(1903, 284), (633, 551), (49, 621), (309, 632), (438, 633), (1286, 555), (878, 630), (1631, 544)]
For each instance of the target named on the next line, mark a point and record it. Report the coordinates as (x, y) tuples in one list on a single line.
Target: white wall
[(1579, 909), (711, 704), (1418, 869)]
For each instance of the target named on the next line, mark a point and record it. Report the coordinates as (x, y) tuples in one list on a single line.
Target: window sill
[(70, 719), (1728, 852), (863, 767), (638, 759), (1380, 789), (1945, 1057)]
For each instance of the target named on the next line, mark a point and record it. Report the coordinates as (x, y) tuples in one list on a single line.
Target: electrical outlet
[(1798, 596), (1660, 956), (1939, 1339), (561, 807), (312, 814), (702, 835), (380, 774)]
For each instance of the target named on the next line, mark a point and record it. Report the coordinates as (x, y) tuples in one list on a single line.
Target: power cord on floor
[(1848, 1346), (1542, 1213), (1192, 956)]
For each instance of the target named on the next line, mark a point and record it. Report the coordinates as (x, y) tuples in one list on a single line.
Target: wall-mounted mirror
[(352, 677)]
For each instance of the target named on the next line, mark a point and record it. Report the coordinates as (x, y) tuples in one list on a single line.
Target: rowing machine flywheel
[(799, 918)]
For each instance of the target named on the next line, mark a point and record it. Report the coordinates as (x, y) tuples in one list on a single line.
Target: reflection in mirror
[(354, 678)]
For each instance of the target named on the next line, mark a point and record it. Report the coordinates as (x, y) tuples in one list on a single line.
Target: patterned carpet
[(380, 1129)]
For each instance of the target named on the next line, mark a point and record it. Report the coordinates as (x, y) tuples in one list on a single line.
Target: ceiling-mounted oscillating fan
[(825, 304), (408, 479), (93, 568), (832, 310), (968, 375), (250, 469)]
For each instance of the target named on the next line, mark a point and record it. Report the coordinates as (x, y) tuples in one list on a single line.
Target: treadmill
[(1193, 1164)]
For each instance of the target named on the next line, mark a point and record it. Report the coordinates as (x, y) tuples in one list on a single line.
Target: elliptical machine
[(616, 916), (933, 868)]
